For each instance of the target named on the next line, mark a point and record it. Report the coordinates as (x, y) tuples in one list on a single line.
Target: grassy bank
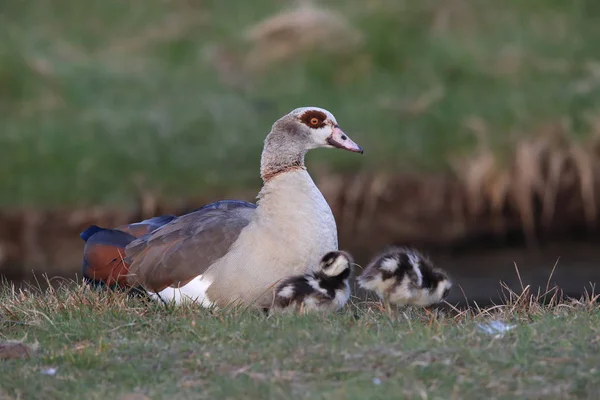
[(98, 97), (92, 345)]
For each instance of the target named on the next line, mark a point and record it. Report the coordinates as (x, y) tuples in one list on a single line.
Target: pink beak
[(340, 140)]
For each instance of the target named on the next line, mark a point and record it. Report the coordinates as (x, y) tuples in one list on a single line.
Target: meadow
[(98, 99), (83, 343)]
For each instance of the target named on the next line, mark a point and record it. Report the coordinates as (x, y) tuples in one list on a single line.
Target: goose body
[(291, 230), (231, 251)]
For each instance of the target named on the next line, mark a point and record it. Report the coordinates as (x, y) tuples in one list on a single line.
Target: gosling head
[(336, 263)]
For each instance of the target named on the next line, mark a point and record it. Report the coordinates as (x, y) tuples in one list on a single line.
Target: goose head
[(316, 127), (301, 130)]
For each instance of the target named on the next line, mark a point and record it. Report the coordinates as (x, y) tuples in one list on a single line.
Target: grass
[(100, 98), (104, 345)]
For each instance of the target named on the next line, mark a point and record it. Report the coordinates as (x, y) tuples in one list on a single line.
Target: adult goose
[(231, 251)]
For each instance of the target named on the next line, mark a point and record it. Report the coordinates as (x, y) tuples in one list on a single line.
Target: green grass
[(105, 346), (99, 95)]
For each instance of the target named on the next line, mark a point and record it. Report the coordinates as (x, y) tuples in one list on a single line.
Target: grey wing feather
[(185, 247)]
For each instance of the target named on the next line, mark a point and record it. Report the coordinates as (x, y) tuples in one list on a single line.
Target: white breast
[(293, 227)]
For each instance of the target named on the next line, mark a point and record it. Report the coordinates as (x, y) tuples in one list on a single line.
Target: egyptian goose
[(326, 289), (403, 276), (231, 251)]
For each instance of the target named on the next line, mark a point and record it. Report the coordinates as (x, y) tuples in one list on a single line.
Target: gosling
[(327, 289), (403, 276)]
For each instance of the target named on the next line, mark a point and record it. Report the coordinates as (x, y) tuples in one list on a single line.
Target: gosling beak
[(340, 140)]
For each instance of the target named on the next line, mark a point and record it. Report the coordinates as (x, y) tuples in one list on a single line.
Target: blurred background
[(480, 123)]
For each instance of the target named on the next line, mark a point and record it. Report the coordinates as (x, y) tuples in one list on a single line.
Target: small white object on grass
[(495, 327), (49, 371)]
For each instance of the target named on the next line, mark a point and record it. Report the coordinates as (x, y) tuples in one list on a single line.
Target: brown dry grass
[(543, 173), (526, 303), (33, 303)]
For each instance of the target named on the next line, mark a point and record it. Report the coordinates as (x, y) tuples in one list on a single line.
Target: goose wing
[(186, 246)]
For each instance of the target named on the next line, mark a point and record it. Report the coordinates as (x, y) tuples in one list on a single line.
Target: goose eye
[(314, 121)]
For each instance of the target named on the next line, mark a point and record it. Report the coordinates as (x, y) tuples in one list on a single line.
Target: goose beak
[(340, 140)]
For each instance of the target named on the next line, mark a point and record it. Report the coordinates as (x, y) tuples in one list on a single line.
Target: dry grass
[(32, 303), (540, 173), (528, 303)]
